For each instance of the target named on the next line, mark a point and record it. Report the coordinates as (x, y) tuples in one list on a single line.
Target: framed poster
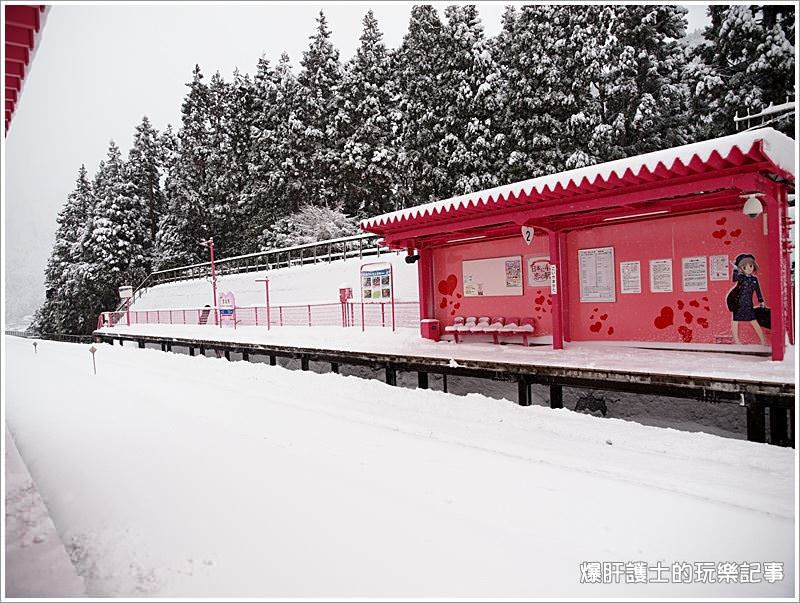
[(492, 276), (719, 267), (694, 272), (661, 276), (630, 276), (538, 270), (596, 274)]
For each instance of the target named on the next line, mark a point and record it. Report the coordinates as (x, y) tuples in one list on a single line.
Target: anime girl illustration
[(744, 269)]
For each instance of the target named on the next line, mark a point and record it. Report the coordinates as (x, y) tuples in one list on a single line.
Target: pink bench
[(497, 327)]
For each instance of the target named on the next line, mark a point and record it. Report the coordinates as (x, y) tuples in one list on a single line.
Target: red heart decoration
[(457, 305), (447, 286), (736, 233), (665, 319), (539, 300), (680, 304), (685, 333), (603, 316), (722, 221), (688, 317), (703, 322), (610, 330), (705, 298), (707, 309), (727, 242), (538, 308), (694, 303), (549, 302), (596, 327), (443, 303), (718, 234)]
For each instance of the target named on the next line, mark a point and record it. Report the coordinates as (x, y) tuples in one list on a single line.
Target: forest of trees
[(256, 160)]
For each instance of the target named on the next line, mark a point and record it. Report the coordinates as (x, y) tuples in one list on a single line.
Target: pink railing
[(379, 314)]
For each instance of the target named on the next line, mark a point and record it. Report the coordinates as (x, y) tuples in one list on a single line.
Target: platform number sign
[(527, 234)]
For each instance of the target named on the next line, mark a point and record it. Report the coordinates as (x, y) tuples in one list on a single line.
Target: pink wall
[(669, 317), (449, 299)]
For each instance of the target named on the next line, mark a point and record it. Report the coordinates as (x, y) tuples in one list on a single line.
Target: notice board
[(492, 276)]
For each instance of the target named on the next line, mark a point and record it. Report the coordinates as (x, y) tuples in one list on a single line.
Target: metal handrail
[(322, 251)]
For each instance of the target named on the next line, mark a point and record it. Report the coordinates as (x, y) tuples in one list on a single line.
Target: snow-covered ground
[(309, 284), (36, 563), (170, 475)]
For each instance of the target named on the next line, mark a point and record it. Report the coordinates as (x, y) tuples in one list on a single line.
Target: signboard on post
[(377, 286), (227, 309)]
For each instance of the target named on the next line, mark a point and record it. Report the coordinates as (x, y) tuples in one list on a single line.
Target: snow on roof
[(779, 148)]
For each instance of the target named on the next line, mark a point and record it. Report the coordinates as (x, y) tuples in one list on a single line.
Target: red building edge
[(23, 27), (686, 185)]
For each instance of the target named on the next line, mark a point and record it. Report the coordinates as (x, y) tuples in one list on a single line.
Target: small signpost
[(126, 293), (93, 349), (264, 280)]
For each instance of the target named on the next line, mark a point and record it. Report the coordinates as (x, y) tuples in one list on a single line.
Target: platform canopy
[(23, 29), (696, 177)]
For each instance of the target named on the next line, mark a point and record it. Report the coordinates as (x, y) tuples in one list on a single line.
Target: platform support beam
[(524, 391), (556, 396), (245, 355), (778, 426), (191, 350), (334, 367), (304, 362), (141, 343), (422, 380), (272, 359), (391, 375), (756, 431)]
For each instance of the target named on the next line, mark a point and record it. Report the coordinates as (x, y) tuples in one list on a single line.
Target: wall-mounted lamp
[(411, 257), (752, 206)]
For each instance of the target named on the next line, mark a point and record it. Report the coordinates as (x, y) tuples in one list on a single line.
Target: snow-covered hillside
[(309, 284), (171, 475)]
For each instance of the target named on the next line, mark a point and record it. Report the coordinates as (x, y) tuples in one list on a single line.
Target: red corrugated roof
[(23, 27), (765, 146)]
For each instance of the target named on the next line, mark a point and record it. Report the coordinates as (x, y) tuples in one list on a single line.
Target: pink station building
[(638, 250)]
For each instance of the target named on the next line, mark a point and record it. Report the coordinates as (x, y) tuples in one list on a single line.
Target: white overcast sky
[(98, 69)]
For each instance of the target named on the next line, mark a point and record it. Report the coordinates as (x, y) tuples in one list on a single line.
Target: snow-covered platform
[(751, 380)]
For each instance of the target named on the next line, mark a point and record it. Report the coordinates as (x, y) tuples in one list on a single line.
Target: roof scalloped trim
[(778, 147)]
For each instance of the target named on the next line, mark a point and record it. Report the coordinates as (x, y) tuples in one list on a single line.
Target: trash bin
[(429, 329)]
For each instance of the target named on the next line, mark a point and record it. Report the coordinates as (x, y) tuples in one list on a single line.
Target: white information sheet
[(630, 276), (553, 279), (695, 273), (661, 276), (596, 274), (719, 267)]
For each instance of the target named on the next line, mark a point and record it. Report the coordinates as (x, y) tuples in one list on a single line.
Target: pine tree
[(187, 221), (146, 169), (366, 171), (745, 62), (63, 310), (418, 66), (532, 115), (472, 91), (114, 246), (642, 102), (316, 158)]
